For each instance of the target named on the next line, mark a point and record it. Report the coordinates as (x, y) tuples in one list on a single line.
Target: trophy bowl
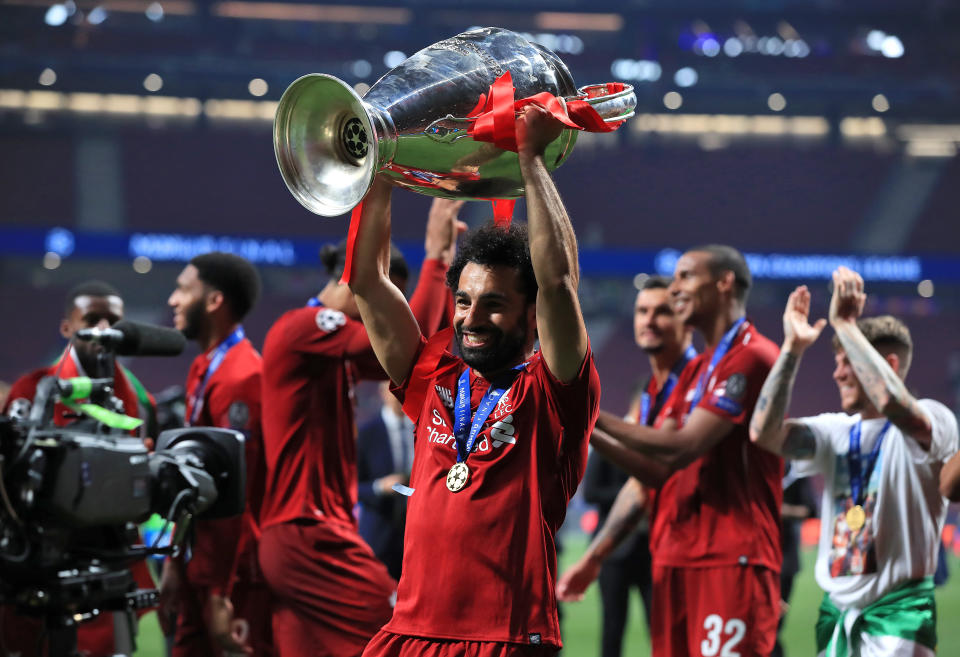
[(412, 124)]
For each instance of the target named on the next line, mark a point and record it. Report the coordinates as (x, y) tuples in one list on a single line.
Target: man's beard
[(505, 349), (193, 320)]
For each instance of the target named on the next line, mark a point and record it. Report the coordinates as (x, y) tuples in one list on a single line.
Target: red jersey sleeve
[(328, 333), (432, 301), (576, 403), (737, 380), (24, 388), (431, 360), (235, 404)]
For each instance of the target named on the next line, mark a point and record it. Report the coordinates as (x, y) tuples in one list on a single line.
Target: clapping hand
[(798, 333), (848, 296)]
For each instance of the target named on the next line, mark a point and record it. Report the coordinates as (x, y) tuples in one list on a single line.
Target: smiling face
[(493, 321), (694, 290), (853, 399), (188, 302), (655, 324), (90, 311)]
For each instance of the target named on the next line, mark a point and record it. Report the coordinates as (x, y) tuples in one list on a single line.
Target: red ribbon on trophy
[(493, 120), (494, 117), (351, 242)]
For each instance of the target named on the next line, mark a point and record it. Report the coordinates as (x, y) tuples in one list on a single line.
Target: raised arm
[(625, 514), (391, 326), (882, 385), (431, 300), (767, 427), (553, 250)]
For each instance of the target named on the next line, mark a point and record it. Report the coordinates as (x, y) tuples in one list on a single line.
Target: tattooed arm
[(789, 439), (767, 427), (882, 385), (625, 515)]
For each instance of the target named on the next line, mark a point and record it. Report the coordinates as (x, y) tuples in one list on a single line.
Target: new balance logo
[(445, 396), (502, 432)]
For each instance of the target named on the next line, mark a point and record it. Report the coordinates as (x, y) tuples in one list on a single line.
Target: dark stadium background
[(800, 131)]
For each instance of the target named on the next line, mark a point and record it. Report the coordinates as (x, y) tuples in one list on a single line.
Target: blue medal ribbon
[(461, 411), (722, 348), (313, 302), (858, 478), (216, 359), (668, 386)]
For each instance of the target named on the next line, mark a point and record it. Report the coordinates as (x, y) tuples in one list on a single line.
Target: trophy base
[(326, 144)]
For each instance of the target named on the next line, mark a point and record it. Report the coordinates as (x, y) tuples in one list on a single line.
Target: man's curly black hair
[(493, 245), (234, 276)]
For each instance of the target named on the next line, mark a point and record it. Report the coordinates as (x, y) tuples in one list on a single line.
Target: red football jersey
[(313, 356), (65, 368), (480, 564), (224, 547), (724, 508)]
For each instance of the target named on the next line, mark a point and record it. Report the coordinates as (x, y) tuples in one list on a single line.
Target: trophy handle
[(613, 101)]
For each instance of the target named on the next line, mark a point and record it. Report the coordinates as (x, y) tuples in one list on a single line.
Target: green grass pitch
[(581, 621)]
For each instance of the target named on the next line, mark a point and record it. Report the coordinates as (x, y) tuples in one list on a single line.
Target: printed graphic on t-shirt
[(853, 551)]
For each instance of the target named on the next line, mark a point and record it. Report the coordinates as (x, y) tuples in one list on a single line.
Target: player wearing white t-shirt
[(882, 512)]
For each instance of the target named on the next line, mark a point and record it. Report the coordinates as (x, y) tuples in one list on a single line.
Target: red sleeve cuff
[(434, 267)]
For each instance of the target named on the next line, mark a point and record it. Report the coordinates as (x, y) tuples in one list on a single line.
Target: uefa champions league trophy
[(414, 123)]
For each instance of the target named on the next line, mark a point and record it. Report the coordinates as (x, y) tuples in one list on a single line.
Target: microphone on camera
[(129, 338)]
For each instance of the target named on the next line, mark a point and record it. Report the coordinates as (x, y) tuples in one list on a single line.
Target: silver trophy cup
[(412, 123)]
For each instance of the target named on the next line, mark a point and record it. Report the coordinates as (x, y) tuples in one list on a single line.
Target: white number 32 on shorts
[(722, 638)]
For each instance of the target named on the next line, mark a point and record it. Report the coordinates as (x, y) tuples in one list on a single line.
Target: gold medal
[(457, 477), (856, 517)]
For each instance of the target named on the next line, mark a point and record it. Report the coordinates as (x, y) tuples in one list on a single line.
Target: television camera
[(71, 496)]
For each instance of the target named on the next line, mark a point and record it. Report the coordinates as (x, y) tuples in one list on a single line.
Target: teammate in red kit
[(715, 533), (220, 577), (330, 594), (619, 554), (92, 304), (501, 434)]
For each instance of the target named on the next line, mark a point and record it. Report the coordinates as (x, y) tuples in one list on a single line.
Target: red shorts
[(714, 612), (330, 593), (387, 644)]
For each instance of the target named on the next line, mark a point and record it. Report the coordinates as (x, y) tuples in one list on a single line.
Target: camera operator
[(221, 576), (92, 304)]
